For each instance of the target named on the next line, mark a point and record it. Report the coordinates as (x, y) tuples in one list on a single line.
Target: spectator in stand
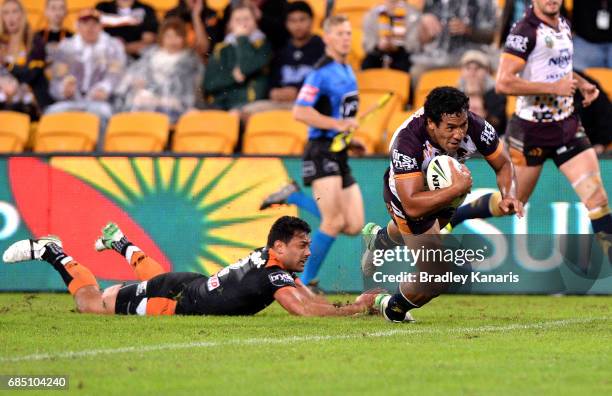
[(293, 62), (592, 25), (449, 28), (270, 16), (237, 70), (165, 78), (87, 69), (131, 21), (26, 65), (205, 26), (595, 118), (478, 84), (390, 35), (54, 32), (14, 96)]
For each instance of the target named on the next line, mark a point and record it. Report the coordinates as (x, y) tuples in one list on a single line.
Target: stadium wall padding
[(200, 214)]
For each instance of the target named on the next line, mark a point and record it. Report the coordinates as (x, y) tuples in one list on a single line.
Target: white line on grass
[(293, 339)]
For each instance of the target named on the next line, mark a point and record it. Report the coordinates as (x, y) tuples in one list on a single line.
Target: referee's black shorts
[(320, 162)]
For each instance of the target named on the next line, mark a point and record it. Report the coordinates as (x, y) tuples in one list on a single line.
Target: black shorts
[(529, 153), (319, 162), (133, 297)]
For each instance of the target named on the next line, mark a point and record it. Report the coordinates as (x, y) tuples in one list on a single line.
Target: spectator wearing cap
[(390, 35), (478, 84), (293, 62), (86, 69), (132, 22)]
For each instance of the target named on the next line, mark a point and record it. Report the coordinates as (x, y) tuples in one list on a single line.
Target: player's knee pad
[(590, 190)]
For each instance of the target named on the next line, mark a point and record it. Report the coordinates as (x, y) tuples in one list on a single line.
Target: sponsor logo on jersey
[(308, 93), (549, 41), (349, 105), (488, 134), (403, 162), (142, 288), (517, 42), (563, 60), (213, 283), (280, 278)]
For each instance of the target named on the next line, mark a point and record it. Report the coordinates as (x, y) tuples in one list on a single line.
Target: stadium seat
[(357, 53), (163, 6), (432, 79), (381, 81), (137, 132), (211, 131), (14, 131), (354, 10), (510, 105), (275, 132), (217, 5), (70, 131), (372, 130), (397, 118), (74, 7), (603, 76)]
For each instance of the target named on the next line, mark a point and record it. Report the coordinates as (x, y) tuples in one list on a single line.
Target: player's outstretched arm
[(509, 83), (417, 202), (506, 181), (302, 302)]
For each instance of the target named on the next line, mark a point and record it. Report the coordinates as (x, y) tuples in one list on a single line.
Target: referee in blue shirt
[(328, 102)]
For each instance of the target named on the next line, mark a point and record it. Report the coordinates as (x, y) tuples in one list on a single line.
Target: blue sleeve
[(311, 89)]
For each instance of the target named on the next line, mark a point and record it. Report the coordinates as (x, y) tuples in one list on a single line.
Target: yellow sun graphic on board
[(203, 213)]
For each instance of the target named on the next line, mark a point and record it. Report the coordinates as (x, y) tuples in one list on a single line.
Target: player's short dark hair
[(299, 6), (285, 228), (445, 100)]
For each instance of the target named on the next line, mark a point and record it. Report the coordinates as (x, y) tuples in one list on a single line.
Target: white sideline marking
[(286, 340)]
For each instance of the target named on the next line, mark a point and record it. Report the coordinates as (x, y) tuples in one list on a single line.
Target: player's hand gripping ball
[(439, 175)]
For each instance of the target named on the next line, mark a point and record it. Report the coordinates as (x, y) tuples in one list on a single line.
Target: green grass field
[(474, 345)]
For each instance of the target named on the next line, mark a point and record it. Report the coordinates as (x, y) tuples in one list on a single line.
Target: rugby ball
[(439, 175)]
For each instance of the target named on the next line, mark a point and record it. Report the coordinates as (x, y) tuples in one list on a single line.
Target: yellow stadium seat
[(163, 6), (603, 76), (275, 132), (70, 131), (354, 10), (210, 131), (217, 5), (396, 120), (418, 4), (371, 131), (432, 79), (357, 53), (137, 132), (14, 131), (381, 81)]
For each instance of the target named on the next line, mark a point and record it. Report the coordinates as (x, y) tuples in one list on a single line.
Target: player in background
[(536, 66), (328, 102), (444, 126), (244, 288)]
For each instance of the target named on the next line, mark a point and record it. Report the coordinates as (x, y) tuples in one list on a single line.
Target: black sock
[(478, 209), (121, 245), (397, 308), (383, 241), (54, 255), (602, 224)]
